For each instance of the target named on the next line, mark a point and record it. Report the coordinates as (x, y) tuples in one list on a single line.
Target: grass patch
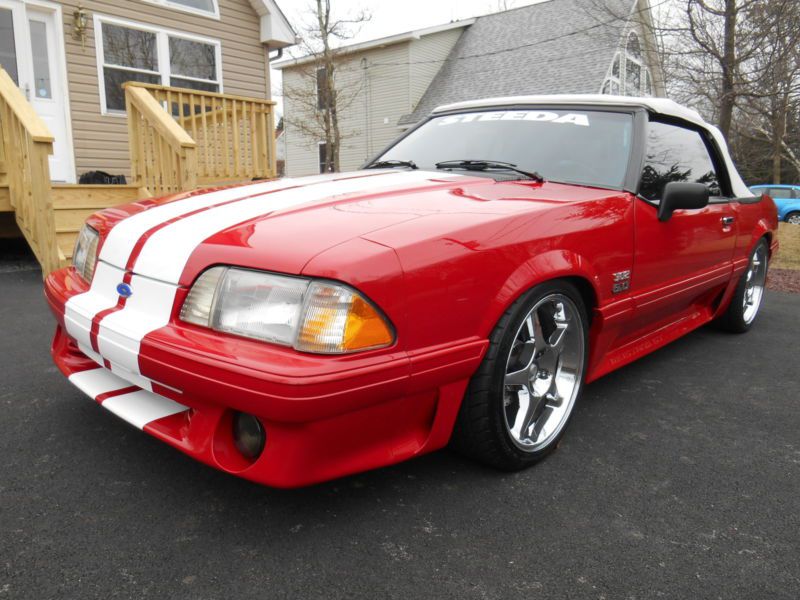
[(788, 256)]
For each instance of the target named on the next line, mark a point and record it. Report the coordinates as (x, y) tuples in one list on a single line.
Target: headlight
[(84, 257), (312, 316)]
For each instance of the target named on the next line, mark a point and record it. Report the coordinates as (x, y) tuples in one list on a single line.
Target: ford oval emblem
[(124, 290)]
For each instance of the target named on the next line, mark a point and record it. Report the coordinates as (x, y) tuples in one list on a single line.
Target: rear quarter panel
[(756, 219)]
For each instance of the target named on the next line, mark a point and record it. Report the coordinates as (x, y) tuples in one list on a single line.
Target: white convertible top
[(661, 106)]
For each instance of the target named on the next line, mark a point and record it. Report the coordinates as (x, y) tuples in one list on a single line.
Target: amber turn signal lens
[(338, 320), (365, 327)]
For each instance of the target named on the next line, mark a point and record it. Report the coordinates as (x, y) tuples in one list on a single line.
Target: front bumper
[(324, 416)]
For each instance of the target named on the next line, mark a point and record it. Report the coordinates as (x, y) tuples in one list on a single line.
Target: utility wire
[(610, 21)]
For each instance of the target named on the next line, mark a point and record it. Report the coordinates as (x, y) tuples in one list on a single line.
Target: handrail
[(152, 111), (154, 87), (23, 110), (234, 134), (25, 146), (163, 154)]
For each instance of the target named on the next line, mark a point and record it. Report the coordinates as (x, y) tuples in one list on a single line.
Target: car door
[(682, 265)]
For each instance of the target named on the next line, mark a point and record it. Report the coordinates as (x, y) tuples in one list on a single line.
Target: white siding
[(378, 98), (395, 79), (428, 55)]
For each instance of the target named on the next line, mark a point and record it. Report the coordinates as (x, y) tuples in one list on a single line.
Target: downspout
[(365, 85), (268, 74)]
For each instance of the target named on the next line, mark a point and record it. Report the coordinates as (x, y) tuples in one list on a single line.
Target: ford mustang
[(461, 288)]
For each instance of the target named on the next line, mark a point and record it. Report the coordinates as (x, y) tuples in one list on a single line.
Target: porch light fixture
[(80, 22)]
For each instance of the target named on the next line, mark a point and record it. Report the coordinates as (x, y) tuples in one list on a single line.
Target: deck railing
[(25, 147), (163, 155), (233, 135)]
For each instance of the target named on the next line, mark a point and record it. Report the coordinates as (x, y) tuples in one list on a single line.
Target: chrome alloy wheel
[(544, 372), (756, 279), (794, 218)]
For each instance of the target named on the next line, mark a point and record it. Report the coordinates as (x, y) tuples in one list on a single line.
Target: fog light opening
[(248, 435)]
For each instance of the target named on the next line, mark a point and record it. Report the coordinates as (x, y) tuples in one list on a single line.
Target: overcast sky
[(392, 16)]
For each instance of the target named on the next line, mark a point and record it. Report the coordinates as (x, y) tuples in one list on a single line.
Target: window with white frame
[(629, 74), (613, 83), (128, 51), (203, 7)]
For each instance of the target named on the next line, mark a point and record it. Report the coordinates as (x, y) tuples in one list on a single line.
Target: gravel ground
[(784, 280)]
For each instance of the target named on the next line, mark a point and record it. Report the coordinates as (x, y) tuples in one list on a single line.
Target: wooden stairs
[(180, 139)]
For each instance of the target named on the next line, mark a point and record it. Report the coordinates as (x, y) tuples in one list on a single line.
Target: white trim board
[(172, 4)]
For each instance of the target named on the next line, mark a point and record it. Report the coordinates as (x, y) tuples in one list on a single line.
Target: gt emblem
[(124, 290), (622, 281)]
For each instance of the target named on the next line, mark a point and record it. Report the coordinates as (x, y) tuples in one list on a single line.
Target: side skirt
[(644, 345)]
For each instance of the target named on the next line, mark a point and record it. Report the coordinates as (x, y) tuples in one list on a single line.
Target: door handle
[(726, 221)]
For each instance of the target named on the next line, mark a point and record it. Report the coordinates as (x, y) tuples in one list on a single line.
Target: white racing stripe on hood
[(165, 254), (122, 238)]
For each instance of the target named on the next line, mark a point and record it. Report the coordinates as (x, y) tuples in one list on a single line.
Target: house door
[(32, 52)]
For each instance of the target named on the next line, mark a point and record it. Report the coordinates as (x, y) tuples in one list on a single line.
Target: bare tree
[(737, 61), (322, 92), (706, 46), (773, 99)]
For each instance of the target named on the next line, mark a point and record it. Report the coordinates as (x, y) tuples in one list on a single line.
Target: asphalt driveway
[(679, 478)]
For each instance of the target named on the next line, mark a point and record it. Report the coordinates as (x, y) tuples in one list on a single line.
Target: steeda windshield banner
[(581, 119)]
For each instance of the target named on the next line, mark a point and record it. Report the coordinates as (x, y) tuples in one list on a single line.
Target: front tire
[(522, 397), (793, 218), (749, 294)]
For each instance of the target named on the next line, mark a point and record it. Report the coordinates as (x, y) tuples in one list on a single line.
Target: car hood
[(281, 225)]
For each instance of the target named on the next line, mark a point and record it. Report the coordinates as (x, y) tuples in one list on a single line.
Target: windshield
[(585, 147)]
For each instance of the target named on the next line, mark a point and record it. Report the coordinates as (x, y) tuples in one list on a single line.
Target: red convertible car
[(462, 288)]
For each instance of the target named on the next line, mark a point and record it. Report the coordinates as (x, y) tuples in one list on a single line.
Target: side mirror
[(679, 194)]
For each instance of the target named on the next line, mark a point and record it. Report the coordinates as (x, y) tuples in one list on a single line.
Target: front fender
[(553, 264)]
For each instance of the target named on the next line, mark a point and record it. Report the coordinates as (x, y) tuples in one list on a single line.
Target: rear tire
[(749, 295), (522, 397), (793, 218)]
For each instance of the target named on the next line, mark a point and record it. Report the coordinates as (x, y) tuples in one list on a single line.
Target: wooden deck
[(180, 139)]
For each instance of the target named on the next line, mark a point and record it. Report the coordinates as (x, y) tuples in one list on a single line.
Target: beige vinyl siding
[(101, 141), (428, 54)]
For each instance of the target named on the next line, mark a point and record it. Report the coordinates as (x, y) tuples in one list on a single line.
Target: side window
[(780, 192), (675, 154)]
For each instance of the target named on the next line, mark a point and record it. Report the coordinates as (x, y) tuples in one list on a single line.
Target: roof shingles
[(556, 46)]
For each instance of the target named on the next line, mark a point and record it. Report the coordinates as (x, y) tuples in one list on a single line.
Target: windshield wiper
[(487, 165), (393, 164)]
